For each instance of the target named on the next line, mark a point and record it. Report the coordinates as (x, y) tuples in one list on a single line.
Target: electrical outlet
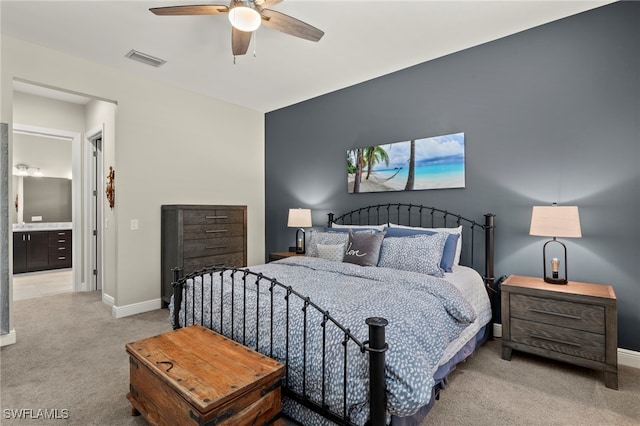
[(134, 224), (36, 218)]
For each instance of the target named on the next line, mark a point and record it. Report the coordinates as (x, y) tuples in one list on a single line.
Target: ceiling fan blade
[(240, 41), (290, 25), (203, 9)]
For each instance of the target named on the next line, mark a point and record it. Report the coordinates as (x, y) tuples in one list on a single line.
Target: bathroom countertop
[(41, 226)]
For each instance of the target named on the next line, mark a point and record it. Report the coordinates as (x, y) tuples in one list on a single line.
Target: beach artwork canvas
[(429, 163)]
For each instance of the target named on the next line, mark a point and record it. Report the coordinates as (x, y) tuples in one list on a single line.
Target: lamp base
[(555, 280)]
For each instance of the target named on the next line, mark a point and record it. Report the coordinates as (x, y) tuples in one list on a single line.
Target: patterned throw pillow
[(334, 252), (326, 238), (419, 253), (363, 248)]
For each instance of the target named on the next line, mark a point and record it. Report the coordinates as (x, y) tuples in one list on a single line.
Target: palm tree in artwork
[(357, 170), (411, 177), (374, 155)]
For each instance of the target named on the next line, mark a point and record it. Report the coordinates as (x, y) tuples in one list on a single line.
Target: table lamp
[(299, 218), (555, 221)]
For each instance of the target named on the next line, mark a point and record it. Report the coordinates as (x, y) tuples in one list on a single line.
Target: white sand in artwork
[(376, 184)]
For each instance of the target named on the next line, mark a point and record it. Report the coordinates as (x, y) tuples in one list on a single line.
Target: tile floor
[(39, 284)]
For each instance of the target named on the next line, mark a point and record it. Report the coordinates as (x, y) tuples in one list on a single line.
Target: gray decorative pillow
[(326, 238), (334, 252), (418, 253), (363, 248)]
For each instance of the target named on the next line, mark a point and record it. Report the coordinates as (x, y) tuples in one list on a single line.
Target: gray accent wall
[(47, 197), (551, 114)]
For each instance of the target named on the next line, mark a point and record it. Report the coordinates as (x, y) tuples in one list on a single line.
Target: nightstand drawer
[(577, 316), (559, 339)]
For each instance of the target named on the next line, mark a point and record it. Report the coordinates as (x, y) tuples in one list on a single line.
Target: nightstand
[(282, 254), (575, 323)]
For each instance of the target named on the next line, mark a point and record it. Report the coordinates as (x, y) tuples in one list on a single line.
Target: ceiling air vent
[(145, 59)]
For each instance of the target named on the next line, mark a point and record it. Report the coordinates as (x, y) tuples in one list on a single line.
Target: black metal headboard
[(476, 237)]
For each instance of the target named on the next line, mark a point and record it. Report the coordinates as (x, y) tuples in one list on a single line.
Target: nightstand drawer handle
[(215, 231), (558, 314), (214, 247), (216, 217), (551, 339)]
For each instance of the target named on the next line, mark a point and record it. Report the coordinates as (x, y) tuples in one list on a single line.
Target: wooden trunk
[(196, 376)]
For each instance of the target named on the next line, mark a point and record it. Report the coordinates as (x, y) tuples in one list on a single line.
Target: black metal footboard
[(259, 311)]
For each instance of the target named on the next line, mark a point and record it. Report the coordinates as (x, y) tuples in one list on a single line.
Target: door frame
[(95, 256), (78, 260)]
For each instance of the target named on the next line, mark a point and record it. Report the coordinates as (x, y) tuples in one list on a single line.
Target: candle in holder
[(554, 267)]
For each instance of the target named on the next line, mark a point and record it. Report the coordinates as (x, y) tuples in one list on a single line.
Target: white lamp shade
[(299, 218), (555, 221), (245, 18)]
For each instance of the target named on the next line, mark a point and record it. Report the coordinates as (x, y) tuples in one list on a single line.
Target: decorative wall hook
[(111, 187)]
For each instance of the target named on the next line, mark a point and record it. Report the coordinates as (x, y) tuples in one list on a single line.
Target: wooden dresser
[(195, 236), (575, 323), (194, 376)]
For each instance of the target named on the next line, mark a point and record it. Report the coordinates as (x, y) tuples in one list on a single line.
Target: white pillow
[(334, 252), (376, 227), (326, 238), (457, 230)]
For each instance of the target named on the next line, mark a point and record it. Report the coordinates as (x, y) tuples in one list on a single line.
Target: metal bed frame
[(375, 347)]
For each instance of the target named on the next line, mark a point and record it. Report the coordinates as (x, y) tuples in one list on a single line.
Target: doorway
[(94, 218), (76, 188)]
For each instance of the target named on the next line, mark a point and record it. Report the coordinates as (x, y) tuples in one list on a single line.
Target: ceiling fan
[(246, 17)]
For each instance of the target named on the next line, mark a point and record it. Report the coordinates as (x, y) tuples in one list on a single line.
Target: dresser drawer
[(213, 246), (60, 249), (229, 259), (60, 260), (194, 232), (199, 217), (61, 234), (559, 339), (574, 315)]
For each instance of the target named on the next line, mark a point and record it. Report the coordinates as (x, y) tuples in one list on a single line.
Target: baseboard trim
[(626, 357), (8, 339), (108, 300), (135, 308)]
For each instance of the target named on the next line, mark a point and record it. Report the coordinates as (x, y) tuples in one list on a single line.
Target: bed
[(364, 341)]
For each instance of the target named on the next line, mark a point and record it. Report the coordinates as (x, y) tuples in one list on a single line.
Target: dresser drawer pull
[(61, 233), (62, 241), (551, 339), (215, 231), (61, 257), (62, 248), (214, 247), (558, 314), (216, 217)]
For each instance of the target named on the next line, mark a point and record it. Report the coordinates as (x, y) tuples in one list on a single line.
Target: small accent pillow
[(326, 238), (363, 248), (334, 252), (418, 253)]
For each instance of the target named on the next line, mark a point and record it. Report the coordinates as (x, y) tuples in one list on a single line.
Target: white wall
[(171, 146)]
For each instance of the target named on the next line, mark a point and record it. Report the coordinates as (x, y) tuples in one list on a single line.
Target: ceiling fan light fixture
[(245, 18)]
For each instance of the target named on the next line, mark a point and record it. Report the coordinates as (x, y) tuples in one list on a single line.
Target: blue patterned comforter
[(425, 313)]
